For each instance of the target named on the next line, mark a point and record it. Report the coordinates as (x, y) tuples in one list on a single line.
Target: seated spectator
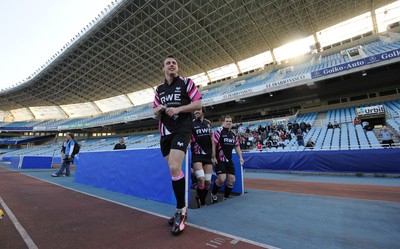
[(268, 144), (275, 143), (368, 127), (387, 137), (308, 126), (260, 129), (283, 136), (289, 126), (295, 127), (281, 143), (357, 120), (120, 145), (336, 125), (289, 136), (259, 146), (241, 129), (330, 126), (300, 138), (303, 126), (310, 143)]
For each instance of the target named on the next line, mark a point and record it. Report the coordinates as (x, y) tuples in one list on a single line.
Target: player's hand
[(171, 111), (214, 161), (158, 110), (241, 162)]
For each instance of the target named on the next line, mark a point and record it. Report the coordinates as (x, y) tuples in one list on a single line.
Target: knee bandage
[(208, 177), (199, 173)]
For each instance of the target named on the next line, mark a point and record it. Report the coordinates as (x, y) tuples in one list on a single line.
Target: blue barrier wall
[(369, 161), (36, 162), (142, 173), (7, 159)]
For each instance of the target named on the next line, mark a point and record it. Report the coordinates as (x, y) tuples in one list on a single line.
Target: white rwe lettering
[(202, 131), (170, 97)]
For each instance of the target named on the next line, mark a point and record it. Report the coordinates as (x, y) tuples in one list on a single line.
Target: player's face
[(227, 123), (198, 114), (170, 67)]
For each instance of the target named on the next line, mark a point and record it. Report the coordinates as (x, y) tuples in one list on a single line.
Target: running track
[(56, 217)]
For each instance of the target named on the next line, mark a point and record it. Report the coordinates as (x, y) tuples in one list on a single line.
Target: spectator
[(275, 143), (68, 156), (330, 126), (336, 125), (300, 138), (303, 126), (281, 143), (368, 126), (310, 143), (295, 127), (357, 120), (289, 126), (387, 137), (261, 129), (241, 129), (120, 145), (308, 126), (259, 146), (288, 135)]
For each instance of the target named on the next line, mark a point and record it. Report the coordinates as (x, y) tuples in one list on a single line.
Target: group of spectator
[(334, 125), (271, 135), (274, 135)]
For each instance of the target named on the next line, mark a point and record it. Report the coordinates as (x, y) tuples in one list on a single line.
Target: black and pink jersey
[(200, 142), (182, 91), (225, 140)]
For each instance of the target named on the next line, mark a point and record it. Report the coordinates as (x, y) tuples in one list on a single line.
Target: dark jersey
[(200, 142), (119, 146), (182, 91), (225, 140)]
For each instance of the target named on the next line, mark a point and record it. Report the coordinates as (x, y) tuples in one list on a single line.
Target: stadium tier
[(349, 136), (272, 79)]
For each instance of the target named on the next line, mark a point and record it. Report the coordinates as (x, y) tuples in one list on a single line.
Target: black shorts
[(225, 168), (204, 159), (178, 141)]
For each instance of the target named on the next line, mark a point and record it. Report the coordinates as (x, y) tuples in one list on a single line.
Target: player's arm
[(158, 108)]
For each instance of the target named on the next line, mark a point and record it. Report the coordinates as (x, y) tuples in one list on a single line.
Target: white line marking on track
[(25, 236), (163, 216)]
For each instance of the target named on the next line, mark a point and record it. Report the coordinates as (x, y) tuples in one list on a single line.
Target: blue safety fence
[(31, 162), (36, 162), (142, 173), (368, 161)]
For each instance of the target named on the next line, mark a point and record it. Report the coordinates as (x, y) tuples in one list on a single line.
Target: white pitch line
[(163, 216), (25, 236)]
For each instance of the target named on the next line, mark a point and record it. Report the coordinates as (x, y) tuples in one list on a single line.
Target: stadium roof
[(123, 52)]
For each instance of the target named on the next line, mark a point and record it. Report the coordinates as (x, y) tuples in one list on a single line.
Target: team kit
[(177, 104)]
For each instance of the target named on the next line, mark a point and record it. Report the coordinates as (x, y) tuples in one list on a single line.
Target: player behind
[(201, 147), (174, 101), (224, 142)]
